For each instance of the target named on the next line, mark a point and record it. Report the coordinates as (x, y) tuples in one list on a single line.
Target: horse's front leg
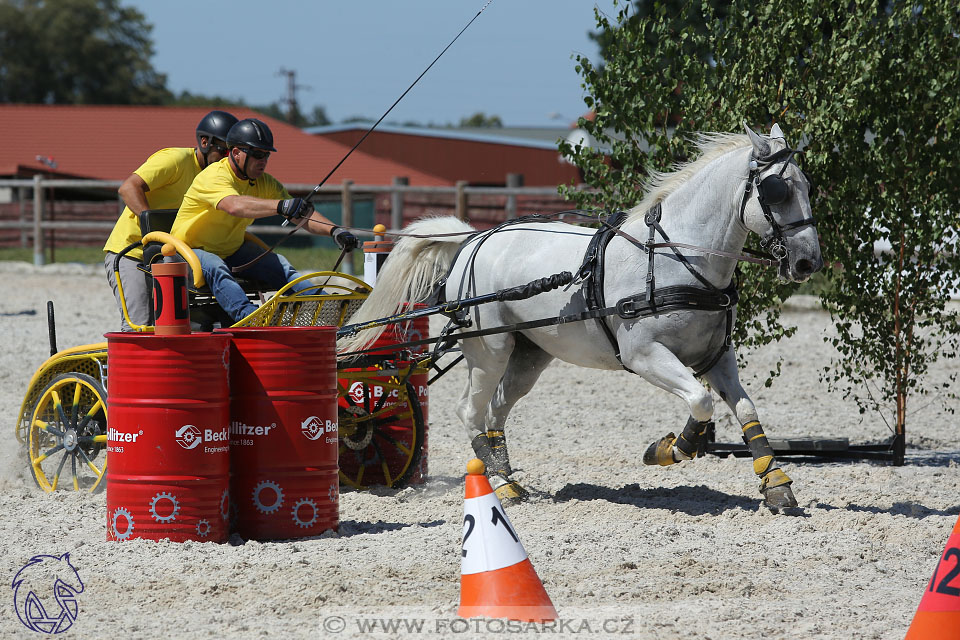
[(659, 366), (774, 483)]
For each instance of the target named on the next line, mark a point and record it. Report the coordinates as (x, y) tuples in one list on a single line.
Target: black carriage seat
[(205, 313)]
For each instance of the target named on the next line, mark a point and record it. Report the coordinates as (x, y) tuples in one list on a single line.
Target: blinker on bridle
[(772, 190)]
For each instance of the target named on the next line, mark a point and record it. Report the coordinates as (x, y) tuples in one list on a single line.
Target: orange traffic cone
[(496, 577), (938, 615)]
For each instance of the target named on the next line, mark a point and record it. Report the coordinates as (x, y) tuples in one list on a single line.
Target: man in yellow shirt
[(224, 200), (159, 183)]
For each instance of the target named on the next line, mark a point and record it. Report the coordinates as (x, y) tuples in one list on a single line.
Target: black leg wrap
[(498, 449), (693, 441), (774, 483), (481, 446)]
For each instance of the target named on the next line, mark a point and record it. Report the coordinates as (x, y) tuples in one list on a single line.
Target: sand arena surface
[(679, 552)]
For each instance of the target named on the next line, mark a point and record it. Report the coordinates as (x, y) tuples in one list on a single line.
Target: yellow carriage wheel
[(67, 436), (381, 430)]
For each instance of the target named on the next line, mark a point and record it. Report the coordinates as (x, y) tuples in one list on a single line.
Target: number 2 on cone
[(944, 585), (497, 518)]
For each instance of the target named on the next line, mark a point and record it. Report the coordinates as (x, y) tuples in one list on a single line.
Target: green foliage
[(316, 119), (76, 52), (872, 89), (480, 119)]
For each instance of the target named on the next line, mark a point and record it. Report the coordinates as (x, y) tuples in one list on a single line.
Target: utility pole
[(290, 100)]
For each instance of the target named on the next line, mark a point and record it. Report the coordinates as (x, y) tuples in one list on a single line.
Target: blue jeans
[(273, 269)]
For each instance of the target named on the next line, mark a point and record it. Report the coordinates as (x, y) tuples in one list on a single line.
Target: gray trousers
[(135, 290)]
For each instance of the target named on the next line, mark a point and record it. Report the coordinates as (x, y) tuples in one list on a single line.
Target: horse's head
[(776, 205)]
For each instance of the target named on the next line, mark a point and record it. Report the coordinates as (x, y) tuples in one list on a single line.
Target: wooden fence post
[(346, 219), (396, 203), (460, 205), (37, 216)]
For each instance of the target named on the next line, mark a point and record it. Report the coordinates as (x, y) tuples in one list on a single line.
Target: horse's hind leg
[(486, 360), (527, 362), (774, 483)]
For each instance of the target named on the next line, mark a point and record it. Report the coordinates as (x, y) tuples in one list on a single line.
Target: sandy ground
[(623, 550)]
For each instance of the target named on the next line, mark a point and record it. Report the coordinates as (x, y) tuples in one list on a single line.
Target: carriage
[(63, 419), (671, 324)]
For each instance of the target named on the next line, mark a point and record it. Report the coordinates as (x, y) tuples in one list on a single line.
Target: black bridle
[(772, 190)]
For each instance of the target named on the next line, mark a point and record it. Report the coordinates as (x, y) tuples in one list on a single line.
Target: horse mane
[(661, 184)]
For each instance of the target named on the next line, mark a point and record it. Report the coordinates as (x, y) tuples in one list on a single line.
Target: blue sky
[(355, 57)]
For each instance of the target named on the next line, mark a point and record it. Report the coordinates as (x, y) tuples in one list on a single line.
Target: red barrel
[(369, 393), (168, 439), (283, 431)]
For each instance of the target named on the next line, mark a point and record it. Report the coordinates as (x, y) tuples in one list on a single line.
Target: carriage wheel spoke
[(75, 409), (73, 468), (102, 439), (96, 408), (383, 463), (46, 454), (396, 443), (89, 462), (58, 406), (56, 476), (46, 426)]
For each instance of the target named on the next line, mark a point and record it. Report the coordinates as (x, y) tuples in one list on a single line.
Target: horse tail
[(409, 274)]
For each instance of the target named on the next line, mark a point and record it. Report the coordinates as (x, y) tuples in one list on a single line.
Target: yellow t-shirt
[(202, 226), (168, 173)]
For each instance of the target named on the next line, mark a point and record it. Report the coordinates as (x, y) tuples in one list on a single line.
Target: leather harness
[(653, 301)]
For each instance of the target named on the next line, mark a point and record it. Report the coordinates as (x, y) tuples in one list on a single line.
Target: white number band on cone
[(489, 540)]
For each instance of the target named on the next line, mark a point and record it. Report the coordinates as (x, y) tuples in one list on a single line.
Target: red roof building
[(108, 142), (481, 157)]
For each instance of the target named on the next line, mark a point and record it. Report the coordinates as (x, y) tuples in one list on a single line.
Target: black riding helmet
[(214, 125), (249, 133)]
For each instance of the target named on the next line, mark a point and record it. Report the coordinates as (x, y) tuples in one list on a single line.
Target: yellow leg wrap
[(776, 478), (762, 465)]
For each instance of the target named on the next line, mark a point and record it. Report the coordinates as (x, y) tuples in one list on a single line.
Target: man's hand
[(344, 239), (294, 208)]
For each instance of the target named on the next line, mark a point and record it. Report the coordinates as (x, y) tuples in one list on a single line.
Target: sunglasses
[(259, 154), (219, 146)]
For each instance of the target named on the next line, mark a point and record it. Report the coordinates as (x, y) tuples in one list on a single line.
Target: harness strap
[(592, 272), (666, 299)]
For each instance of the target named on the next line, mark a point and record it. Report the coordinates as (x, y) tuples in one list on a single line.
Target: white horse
[(680, 320)]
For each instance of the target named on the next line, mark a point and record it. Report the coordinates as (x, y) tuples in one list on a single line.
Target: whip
[(316, 189)]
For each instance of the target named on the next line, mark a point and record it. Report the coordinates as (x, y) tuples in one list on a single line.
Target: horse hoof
[(661, 451), (511, 493), (781, 500)]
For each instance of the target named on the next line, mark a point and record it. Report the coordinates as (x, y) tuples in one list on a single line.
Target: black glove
[(294, 208), (344, 239)]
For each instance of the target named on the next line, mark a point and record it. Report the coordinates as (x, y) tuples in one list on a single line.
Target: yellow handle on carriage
[(182, 248)]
